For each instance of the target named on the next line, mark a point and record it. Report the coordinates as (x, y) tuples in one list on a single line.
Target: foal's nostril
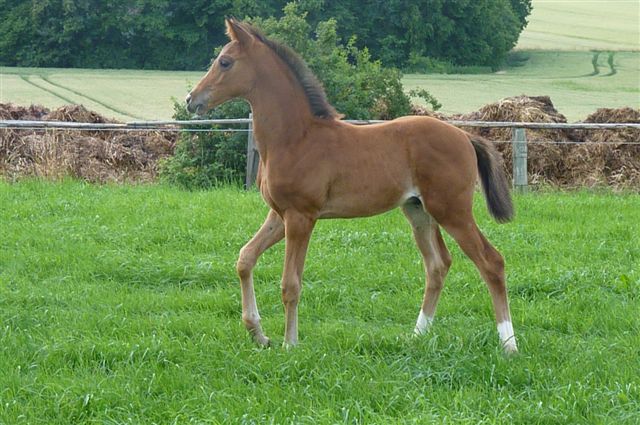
[(190, 106)]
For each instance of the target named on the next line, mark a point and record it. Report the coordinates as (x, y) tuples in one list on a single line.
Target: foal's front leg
[(298, 228), (271, 232)]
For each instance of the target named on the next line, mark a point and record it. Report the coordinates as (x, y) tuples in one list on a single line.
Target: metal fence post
[(253, 158), (520, 180)]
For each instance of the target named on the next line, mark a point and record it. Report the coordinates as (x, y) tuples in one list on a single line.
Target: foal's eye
[(225, 63)]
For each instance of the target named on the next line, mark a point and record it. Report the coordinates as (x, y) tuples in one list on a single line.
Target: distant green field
[(558, 40), (131, 94), (565, 76), (583, 25), (121, 305), (121, 94)]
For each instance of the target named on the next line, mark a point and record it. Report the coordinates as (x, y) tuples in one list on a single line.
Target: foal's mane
[(313, 89)]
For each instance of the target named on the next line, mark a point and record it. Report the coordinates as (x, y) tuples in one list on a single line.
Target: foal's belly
[(365, 203)]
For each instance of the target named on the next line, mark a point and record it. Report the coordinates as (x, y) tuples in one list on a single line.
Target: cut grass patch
[(120, 112), (121, 304), (582, 25), (567, 77)]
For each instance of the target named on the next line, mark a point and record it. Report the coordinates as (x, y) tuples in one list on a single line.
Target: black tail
[(494, 181)]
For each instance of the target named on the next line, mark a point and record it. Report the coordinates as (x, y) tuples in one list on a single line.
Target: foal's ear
[(237, 32)]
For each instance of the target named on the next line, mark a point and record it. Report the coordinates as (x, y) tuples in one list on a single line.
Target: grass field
[(565, 76), (121, 305), (123, 94), (582, 25), (559, 38), (131, 94)]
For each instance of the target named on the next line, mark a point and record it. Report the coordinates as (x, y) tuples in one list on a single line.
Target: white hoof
[(423, 324), (507, 337)]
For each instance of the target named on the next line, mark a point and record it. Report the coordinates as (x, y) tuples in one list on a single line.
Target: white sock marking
[(507, 337), (423, 324)]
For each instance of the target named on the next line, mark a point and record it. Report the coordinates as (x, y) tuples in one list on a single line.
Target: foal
[(314, 166)]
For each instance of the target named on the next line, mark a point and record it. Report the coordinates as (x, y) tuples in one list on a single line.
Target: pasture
[(132, 94), (567, 77), (582, 25), (120, 304)]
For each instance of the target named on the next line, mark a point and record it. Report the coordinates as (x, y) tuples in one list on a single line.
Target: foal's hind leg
[(461, 225), (271, 232), (437, 260)]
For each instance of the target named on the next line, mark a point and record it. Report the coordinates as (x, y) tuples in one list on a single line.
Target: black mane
[(317, 97)]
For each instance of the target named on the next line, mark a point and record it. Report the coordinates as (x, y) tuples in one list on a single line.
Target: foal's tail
[(494, 181)]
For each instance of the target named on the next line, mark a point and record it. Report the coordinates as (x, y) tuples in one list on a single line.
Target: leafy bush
[(419, 64), (356, 85), (208, 156)]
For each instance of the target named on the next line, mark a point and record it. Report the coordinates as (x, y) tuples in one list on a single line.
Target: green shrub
[(419, 64), (210, 158)]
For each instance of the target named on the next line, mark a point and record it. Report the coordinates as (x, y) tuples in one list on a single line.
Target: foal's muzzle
[(193, 106)]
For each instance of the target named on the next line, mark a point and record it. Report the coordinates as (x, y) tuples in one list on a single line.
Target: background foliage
[(163, 34)]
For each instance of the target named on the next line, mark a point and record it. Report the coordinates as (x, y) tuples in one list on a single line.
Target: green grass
[(121, 305), (582, 25)]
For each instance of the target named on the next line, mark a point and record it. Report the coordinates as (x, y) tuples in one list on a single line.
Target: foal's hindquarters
[(427, 167)]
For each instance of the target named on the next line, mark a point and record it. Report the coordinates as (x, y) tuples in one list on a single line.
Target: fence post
[(519, 143), (253, 158)]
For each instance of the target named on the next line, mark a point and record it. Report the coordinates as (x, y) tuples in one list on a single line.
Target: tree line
[(164, 34)]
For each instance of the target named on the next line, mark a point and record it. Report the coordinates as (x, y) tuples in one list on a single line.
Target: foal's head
[(248, 58), (232, 73)]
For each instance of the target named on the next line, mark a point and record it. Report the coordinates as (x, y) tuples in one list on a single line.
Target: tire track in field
[(26, 79), (93, 99)]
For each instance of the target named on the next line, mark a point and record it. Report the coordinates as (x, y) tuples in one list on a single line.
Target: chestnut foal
[(314, 166)]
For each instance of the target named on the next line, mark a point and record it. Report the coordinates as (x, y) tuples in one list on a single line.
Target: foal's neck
[(281, 111)]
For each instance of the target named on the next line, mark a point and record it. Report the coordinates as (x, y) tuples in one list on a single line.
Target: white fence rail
[(520, 178)]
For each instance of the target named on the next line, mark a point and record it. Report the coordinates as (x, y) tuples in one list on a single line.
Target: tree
[(522, 9), (465, 32), (164, 34)]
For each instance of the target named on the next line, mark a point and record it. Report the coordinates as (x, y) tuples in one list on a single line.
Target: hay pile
[(618, 159), (9, 111), (544, 162), (592, 158), (584, 161), (95, 156)]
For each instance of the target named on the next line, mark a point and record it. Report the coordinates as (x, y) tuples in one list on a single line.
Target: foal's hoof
[(289, 345), (417, 332), (262, 341), (510, 348)]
